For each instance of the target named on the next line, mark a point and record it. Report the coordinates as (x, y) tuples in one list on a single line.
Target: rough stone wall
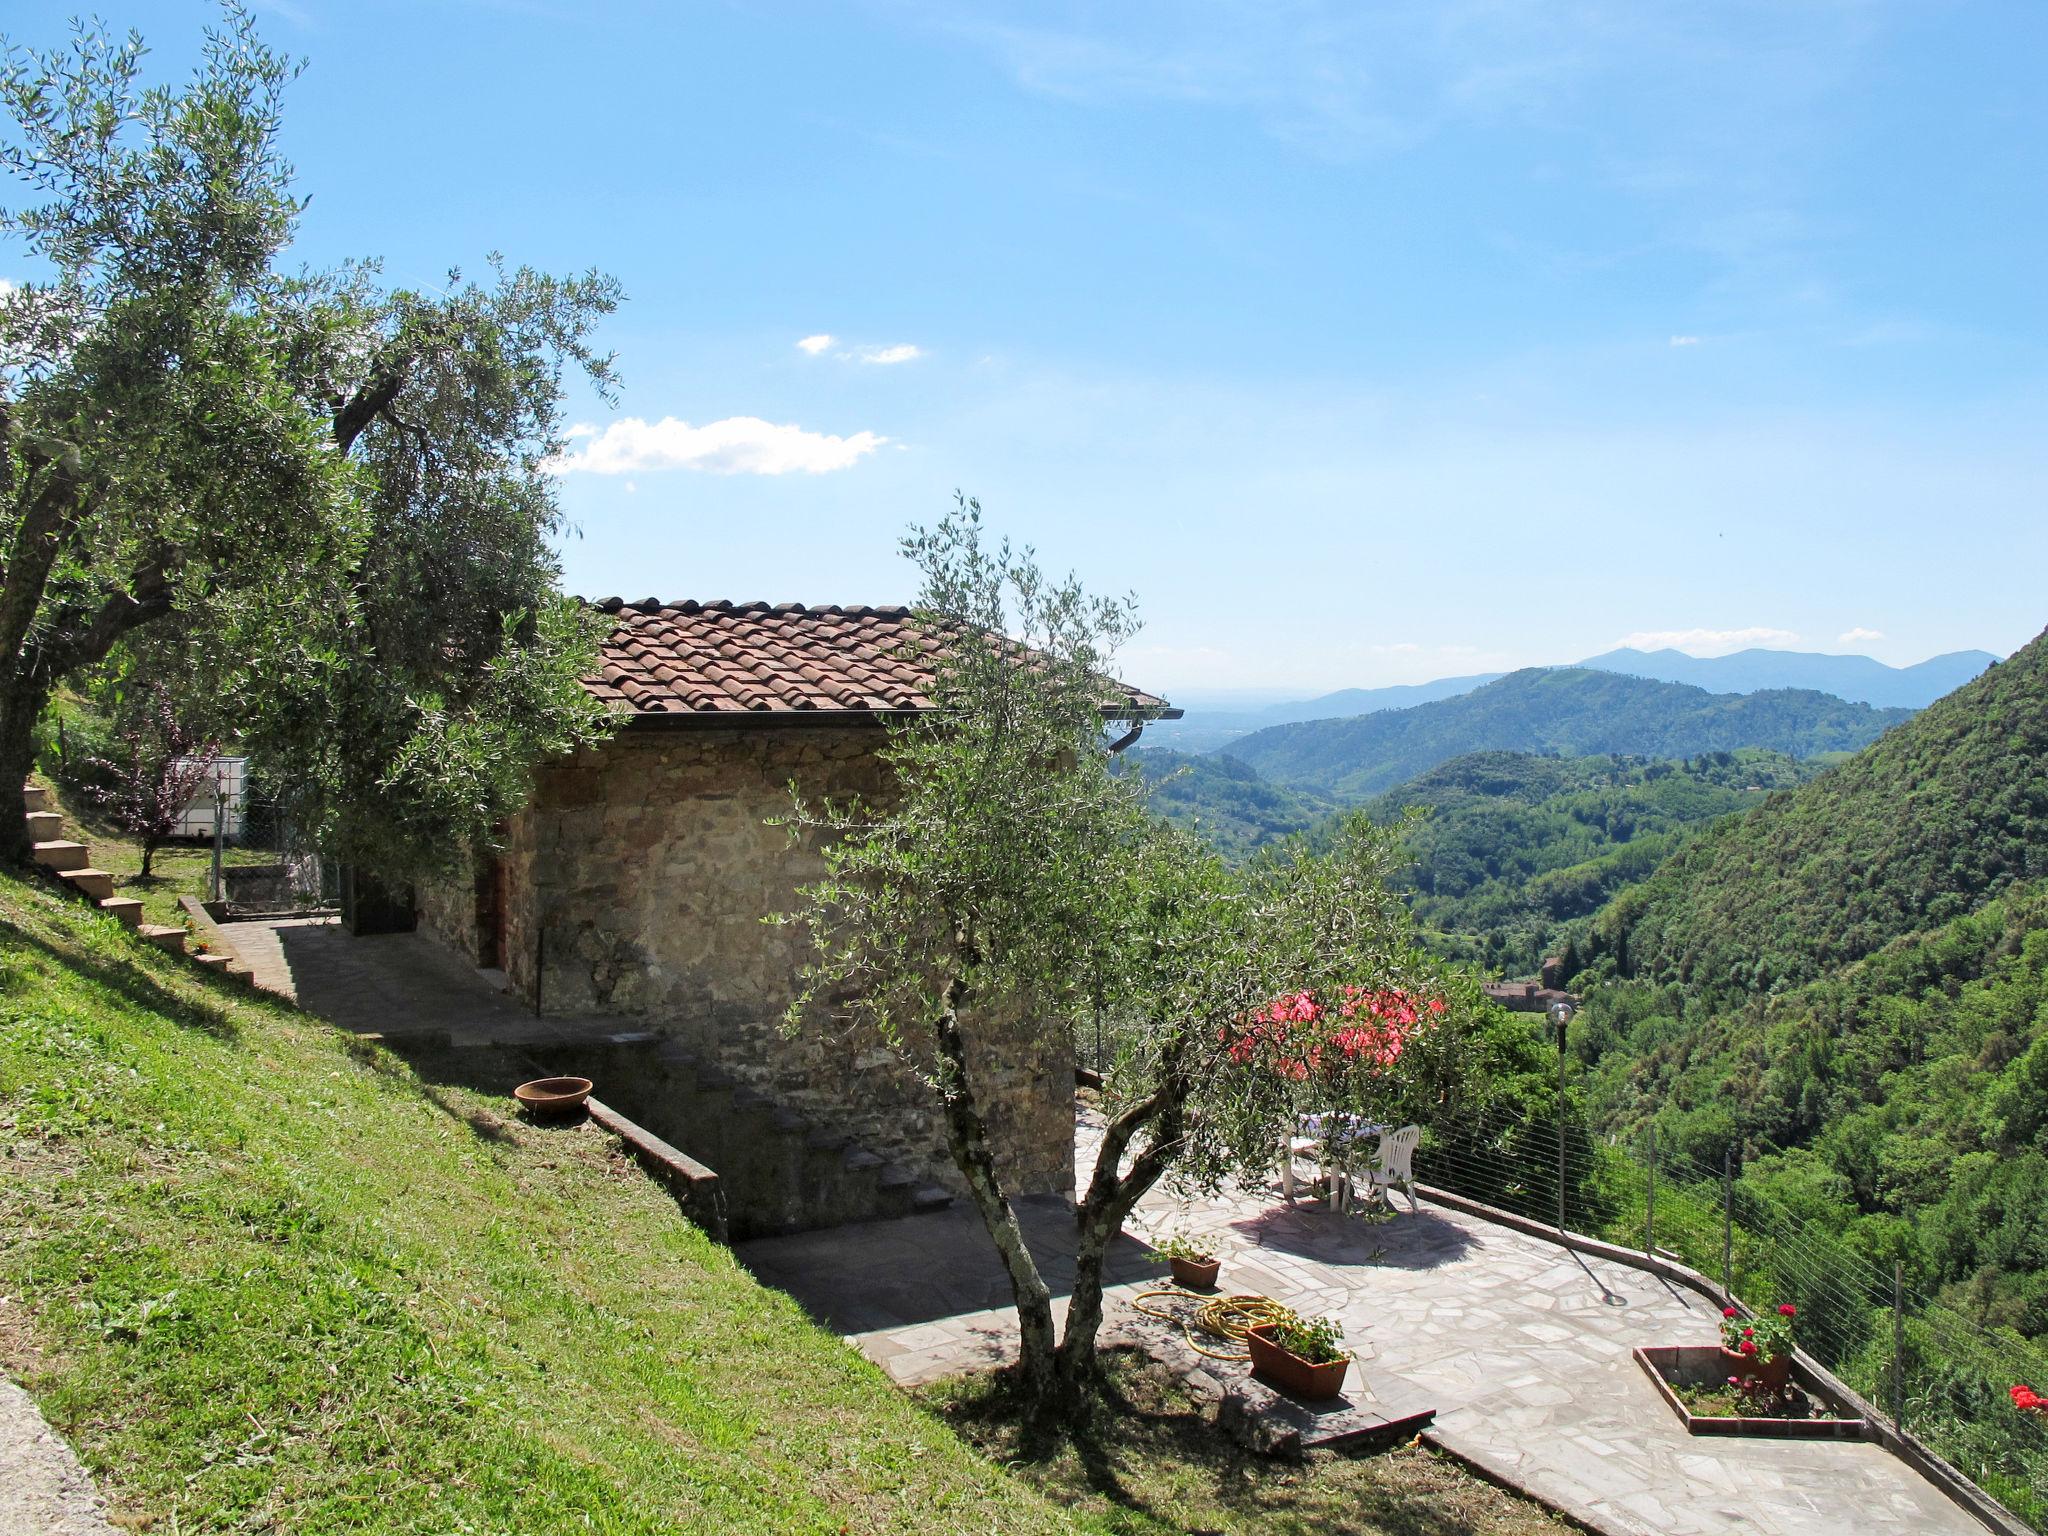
[(447, 909), (640, 876)]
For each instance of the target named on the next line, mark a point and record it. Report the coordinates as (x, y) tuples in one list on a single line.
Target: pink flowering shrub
[(1301, 1035)]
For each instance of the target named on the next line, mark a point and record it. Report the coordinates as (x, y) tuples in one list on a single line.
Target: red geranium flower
[(1786, 1309), (1728, 1312), (2027, 1400), (1749, 1346)]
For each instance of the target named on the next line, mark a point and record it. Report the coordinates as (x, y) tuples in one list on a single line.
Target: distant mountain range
[(1570, 710), (1857, 679)]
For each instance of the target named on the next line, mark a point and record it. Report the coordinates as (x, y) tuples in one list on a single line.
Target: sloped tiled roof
[(694, 659)]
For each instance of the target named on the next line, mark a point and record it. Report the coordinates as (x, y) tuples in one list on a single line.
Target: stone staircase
[(71, 862), (778, 1172)]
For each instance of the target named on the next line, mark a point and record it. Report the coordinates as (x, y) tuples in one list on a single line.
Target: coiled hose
[(1228, 1318)]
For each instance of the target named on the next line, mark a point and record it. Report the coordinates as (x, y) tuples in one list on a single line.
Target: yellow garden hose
[(1222, 1317)]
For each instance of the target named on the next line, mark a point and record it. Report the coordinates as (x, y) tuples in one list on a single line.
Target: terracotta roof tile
[(758, 658)]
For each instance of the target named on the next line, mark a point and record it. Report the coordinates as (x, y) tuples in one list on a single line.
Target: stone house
[(637, 880)]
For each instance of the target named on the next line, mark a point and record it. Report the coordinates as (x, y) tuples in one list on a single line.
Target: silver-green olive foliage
[(324, 503), (1006, 871)]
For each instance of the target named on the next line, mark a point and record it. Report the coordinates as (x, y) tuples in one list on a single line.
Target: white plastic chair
[(1394, 1163)]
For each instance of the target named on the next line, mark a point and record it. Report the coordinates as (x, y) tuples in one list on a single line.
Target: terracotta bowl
[(546, 1097)]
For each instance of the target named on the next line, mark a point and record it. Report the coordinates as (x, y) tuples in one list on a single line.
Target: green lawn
[(263, 1278)]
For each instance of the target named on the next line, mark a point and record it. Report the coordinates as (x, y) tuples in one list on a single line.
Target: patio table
[(1344, 1133)]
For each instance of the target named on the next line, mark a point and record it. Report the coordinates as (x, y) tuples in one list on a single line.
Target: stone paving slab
[(1524, 1349), (43, 1489)]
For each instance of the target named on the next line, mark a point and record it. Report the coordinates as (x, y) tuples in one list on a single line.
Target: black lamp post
[(1560, 1018)]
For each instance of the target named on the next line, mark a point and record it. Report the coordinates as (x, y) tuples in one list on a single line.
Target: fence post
[(1727, 1226), (1650, 1201), (1898, 1345)]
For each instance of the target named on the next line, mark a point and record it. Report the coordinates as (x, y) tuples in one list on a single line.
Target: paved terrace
[(1522, 1347)]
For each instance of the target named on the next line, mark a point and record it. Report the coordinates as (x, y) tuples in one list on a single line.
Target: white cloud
[(1858, 635), (6, 288), (581, 429), (738, 445), (815, 344), (902, 352), (1685, 341), (1707, 642)]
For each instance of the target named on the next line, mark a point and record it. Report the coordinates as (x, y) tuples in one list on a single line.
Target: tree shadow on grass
[(406, 1073), (131, 980), (1155, 1451)]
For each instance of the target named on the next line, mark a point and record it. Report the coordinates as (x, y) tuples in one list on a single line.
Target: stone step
[(44, 826), (860, 1157), (125, 910), (210, 961), (96, 883), (36, 798), (164, 937), (931, 1197), (60, 855)]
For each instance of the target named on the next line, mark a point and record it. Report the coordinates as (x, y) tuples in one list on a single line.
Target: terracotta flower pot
[(547, 1098), (1195, 1274), (1773, 1372), (1311, 1381)]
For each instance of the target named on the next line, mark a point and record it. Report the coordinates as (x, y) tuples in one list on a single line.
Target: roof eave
[(785, 719)]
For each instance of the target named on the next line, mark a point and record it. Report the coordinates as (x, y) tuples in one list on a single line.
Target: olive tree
[(1006, 867), (330, 498)]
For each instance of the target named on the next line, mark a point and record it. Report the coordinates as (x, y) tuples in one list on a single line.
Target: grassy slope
[(263, 1277)]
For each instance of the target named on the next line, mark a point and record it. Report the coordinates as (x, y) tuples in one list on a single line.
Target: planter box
[(1311, 1382), (1702, 1365), (1195, 1275)]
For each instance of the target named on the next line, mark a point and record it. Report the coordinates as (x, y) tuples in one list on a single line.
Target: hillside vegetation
[(1508, 845), (1570, 711), (1848, 986), (1923, 827), (263, 1277), (1232, 808)]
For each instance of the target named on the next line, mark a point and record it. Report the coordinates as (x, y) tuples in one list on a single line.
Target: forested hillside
[(1847, 988), (1510, 845), (1940, 815), (1235, 810), (1567, 710)]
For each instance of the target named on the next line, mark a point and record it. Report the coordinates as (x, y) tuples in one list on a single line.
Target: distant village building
[(1533, 996), (638, 879)]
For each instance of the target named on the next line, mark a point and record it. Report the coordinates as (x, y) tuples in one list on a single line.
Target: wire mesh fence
[(1939, 1375)]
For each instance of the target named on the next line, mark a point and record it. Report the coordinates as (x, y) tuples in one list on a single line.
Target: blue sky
[(1367, 343)]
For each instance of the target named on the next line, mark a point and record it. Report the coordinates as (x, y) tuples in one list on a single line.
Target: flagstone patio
[(1521, 1346)]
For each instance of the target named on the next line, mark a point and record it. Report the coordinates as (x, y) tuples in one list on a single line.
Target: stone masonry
[(638, 882)]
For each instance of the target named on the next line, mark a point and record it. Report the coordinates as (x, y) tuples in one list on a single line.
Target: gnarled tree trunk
[(967, 1138)]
